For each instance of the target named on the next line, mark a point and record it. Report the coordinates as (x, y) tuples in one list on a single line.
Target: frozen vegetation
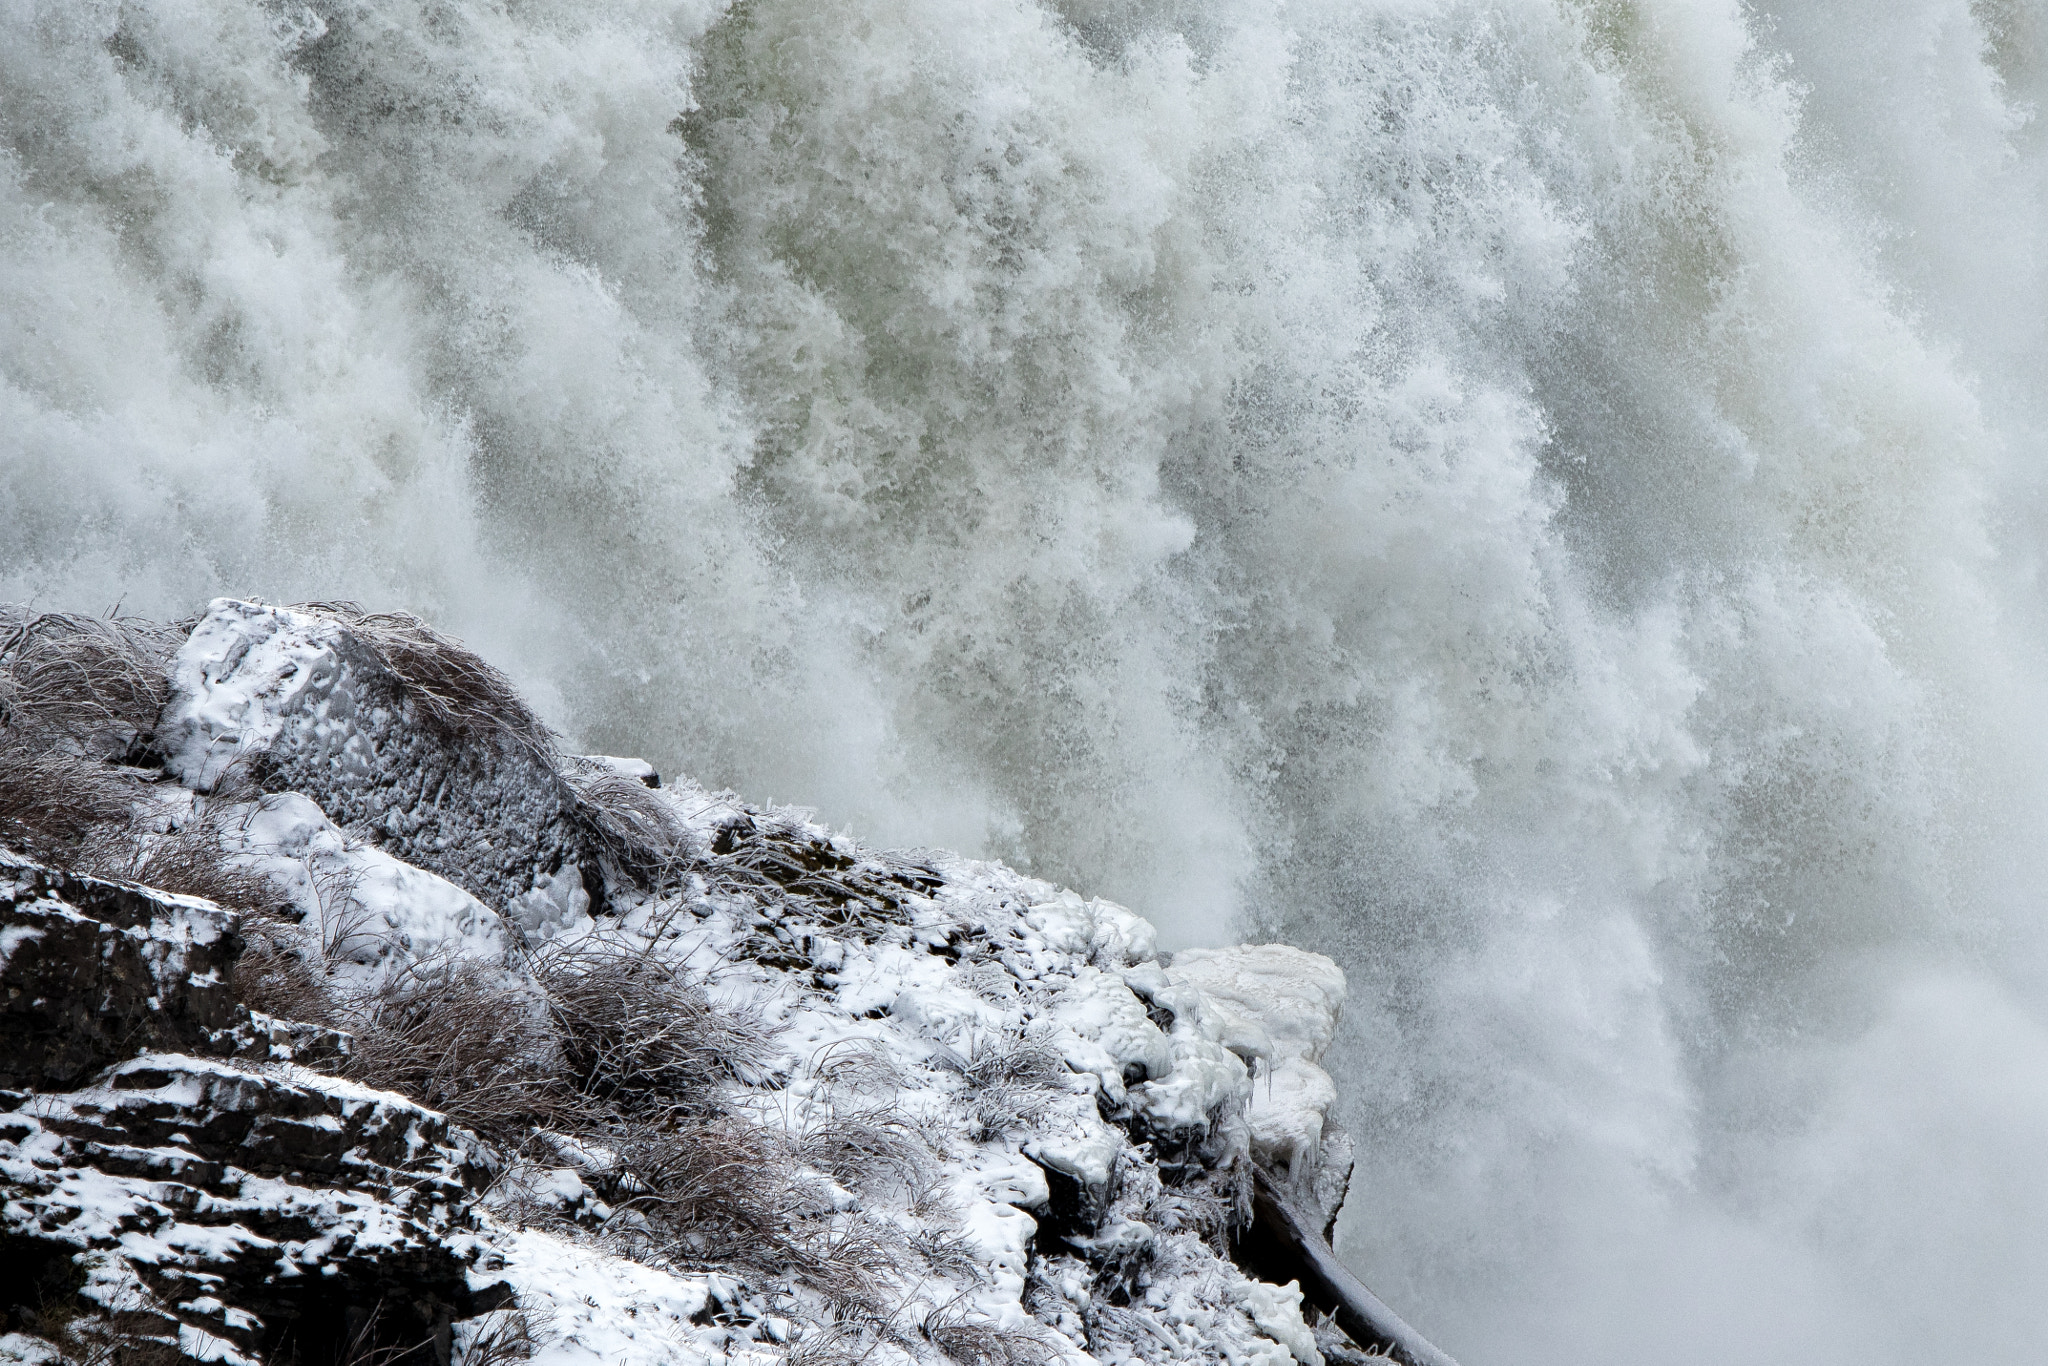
[(347, 1021)]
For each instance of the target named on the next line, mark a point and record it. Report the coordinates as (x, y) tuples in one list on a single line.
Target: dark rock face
[(300, 703), (269, 1211), (92, 972), (163, 1174), (1076, 1206), (287, 1122)]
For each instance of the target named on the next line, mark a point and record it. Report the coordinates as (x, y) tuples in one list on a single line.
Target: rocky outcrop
[(169, 1176), (792, 1098), (219, 1212), (94, 971)]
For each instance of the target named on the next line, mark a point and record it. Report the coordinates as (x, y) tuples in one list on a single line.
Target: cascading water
[(1539, 499)]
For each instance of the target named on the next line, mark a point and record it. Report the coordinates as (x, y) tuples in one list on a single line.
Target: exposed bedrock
[(746, 1090), (168, 1174), (94, 971)]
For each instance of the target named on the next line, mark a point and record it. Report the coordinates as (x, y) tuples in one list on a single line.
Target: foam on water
[(1540, 499)]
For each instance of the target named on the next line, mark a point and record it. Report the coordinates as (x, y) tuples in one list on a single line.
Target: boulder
[(308, 701)]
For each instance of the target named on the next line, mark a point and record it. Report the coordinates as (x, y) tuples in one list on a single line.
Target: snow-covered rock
[(966, 1115), (1277, 1006), (305, 702), (91, 970), (241, 1209)]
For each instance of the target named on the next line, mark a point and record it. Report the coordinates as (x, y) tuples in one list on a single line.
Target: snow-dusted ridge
[(1001, 1126)]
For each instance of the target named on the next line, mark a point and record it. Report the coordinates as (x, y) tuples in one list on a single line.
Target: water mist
[(1541, 500)]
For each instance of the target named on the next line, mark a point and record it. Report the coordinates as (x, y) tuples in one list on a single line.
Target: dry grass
[(55, 805), (839, 1339), (272, 975), (74, 692), (342, 921), (1213, 1217), (640, 836), (506, 1335), (1014, 1079), (77, 812), (646, 1057), (625, 1055), (98, 682), (451, 1034), (134, 1330), (872, 1148), (370, 1344), (731, 1192), (191, 858), (949, 1253), (1020, 1058), (134, 1351), (1339, 1350), (638, 1031), (971, 1340), (857, 1064)]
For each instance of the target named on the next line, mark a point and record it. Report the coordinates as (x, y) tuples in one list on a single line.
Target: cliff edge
[(347, 1020)]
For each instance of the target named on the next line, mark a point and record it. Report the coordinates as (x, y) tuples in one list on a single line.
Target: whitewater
[(1543, 501)]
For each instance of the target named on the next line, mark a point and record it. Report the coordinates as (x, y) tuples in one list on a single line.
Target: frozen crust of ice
[(1095, 931), (244, 671), (1287, 994), (302, 704), (1281, 1003)]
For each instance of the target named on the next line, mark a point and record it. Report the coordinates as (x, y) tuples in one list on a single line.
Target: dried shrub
[(725, 1184), (870, 1148), (1212, 1216), (133, 1326), (98, 682), (1015, 1080), (729, 1191), (452, 1034), (644, 1053), (860, 1064), (381, 1338), (1339, 1350), (342, 920), (133, 1350), (499, 1337), (452, 688), (55, 805), (948, 1253), (74, 692), (192, 857), (638, 1031), (623, 1058), (273, 977), (1016, 1058), (971, 1340), (839, 1339), (640, 836)]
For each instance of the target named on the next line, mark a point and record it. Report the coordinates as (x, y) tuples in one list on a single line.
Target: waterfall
[(1541, 500)]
